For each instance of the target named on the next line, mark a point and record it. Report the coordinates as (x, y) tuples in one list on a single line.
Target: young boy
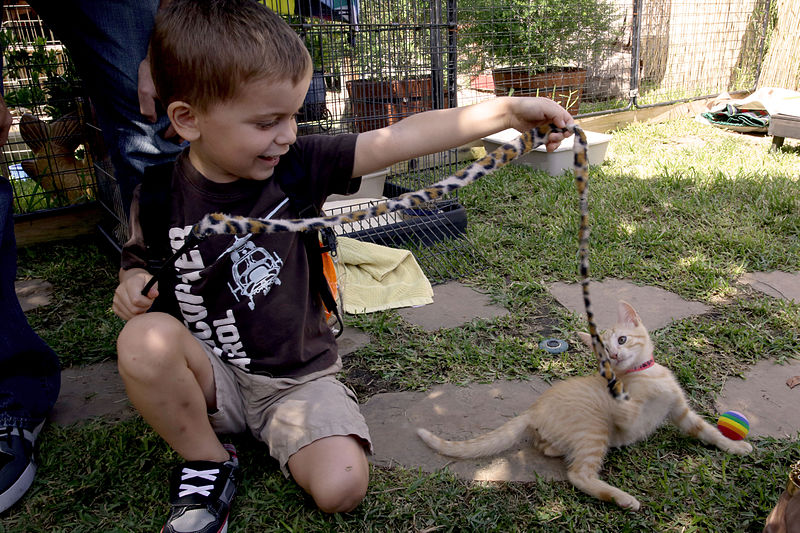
[(259, 355)]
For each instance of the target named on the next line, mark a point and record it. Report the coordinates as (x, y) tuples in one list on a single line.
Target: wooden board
[(607, 123), (56, 224)]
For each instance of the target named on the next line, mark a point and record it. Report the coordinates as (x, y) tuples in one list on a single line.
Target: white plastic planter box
[(371, 187), (557, 161)]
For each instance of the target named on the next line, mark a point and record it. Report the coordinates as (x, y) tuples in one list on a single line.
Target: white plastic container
[(371, 187), (349, 203), (557, 161)]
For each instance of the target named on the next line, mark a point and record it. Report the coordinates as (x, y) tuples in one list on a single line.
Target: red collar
[(643, 366)]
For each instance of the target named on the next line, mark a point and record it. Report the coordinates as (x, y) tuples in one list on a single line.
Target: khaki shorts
[(285, 413)]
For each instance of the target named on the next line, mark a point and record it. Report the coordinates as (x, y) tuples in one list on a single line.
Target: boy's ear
[(184, 120)]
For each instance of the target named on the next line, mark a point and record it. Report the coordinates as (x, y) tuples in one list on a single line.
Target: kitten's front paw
[(626, 501)]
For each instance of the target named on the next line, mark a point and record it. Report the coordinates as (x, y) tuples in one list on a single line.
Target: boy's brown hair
[(201, 51)]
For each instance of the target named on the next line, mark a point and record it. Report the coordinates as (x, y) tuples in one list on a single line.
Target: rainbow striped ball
[(733, 425)]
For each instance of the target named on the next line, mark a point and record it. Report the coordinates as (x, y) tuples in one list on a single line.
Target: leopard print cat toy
[(221, 224)]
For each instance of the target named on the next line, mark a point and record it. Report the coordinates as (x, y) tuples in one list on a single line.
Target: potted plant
[(536, 47), (376, 103)]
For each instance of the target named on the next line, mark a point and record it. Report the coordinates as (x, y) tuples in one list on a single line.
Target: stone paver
[(33, 293), (655, 306), (777, 284), (454, 304), (351, 340), (91, 391), (459, 413), (456, 412), (770, 405)]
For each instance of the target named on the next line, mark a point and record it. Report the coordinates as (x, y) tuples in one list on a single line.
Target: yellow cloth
[(373, 277), (282, 7)]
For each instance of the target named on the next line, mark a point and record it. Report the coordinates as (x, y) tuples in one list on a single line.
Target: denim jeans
[(107, 41), (30, 374)]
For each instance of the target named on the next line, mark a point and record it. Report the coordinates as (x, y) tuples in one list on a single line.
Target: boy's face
[(244, 137)]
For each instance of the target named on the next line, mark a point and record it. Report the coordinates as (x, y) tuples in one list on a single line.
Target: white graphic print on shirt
[(254, 271)]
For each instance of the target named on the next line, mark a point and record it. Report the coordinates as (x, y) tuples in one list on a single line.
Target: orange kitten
[(578, 419)]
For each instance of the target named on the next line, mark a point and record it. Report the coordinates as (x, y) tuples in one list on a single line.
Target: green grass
[(682, 206), (79, 324)]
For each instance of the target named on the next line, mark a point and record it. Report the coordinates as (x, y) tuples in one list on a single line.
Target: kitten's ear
[(586, 338), (626, 314)]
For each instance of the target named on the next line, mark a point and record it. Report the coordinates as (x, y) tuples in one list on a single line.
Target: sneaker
[(200, 493), (17, 466)]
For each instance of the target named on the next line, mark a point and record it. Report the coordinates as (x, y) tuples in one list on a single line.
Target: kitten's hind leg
[(543, 446), (550, 451), (583, 474), (692, 424)]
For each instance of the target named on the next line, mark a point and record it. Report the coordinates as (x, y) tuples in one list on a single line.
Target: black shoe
[(201, 493), (17, 466)]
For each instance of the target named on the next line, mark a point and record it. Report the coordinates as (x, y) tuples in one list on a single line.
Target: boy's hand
[(529, 113), (128, 298), (5, 121), (148, 97)]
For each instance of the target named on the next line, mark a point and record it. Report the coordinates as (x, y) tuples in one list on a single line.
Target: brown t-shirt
[(248, 297)]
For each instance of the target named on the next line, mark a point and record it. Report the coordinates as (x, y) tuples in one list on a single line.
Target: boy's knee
[(340, 494), (147, 341)]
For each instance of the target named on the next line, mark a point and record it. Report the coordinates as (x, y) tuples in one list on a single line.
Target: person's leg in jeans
[(30, 374), (107, 41)]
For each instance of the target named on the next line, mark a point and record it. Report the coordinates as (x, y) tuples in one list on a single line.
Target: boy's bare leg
[(170, 381), (334, 471)]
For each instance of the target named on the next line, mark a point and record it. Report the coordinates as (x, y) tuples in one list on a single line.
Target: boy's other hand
[(128, 299), (148, 97), (5, 121), (532, 112)]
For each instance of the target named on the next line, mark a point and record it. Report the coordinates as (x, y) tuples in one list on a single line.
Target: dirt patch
[(366, 383)]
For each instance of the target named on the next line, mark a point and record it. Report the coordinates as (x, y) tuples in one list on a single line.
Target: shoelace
[(6, 432), (5, 436), (204, 490)]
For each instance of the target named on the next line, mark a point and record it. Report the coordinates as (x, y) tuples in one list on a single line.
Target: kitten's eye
[(621, 339)]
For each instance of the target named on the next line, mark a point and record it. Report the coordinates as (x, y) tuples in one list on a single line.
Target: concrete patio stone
[(33, 293), (454, 304), (461, 412), (91, 391), (771, 406), (655, 306), (456, 412), (784, 285), (351, 339)]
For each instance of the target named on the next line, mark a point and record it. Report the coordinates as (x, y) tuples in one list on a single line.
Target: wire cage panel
[(47, 157), (377, 62), (618, 54), (701, 47)]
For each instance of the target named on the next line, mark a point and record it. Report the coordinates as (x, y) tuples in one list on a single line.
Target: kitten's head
[(628, 342)]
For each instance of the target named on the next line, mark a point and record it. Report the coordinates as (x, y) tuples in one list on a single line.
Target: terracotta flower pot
[(376, 104), (562, 84)]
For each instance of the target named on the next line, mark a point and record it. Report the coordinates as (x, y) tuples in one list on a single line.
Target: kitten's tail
[(491, 443)]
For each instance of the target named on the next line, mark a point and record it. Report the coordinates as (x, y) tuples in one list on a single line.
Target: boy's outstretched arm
[(434, 131)]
